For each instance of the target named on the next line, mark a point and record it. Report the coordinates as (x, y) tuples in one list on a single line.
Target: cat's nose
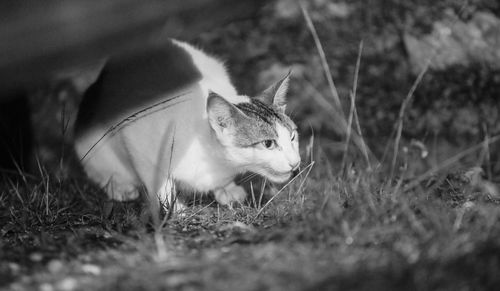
[(294, 163)]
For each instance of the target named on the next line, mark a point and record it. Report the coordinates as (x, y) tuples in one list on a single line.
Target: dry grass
[(320, 232)]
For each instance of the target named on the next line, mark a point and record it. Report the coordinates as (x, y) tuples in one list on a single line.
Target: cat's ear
[(276, 93), (222, 115)]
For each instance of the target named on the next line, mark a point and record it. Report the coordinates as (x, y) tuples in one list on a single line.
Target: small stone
[(46, 287), (339, 10), (36, 257), (55, 266), (91, 269), (67, 284), (468, 205), (286, 9), (14, 268)]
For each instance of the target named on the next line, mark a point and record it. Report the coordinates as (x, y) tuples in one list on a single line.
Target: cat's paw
[(230, 195), (178, 208), (121, 193)]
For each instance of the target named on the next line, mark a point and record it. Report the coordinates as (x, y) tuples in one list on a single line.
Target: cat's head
[(257, 135)]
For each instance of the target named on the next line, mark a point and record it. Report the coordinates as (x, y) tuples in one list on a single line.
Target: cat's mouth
[(278, 177)]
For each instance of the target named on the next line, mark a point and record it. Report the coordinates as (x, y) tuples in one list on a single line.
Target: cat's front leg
[(168, 196), (230, 194)]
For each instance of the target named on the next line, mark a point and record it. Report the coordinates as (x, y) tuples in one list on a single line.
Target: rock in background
[(456, 42)]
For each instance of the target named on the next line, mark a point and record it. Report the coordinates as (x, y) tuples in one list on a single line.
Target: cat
[(167, 118)]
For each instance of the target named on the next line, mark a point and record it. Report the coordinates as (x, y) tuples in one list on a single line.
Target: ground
[(428, 221)]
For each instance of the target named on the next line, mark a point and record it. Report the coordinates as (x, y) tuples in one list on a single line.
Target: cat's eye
[(269, 144), (294, 135)]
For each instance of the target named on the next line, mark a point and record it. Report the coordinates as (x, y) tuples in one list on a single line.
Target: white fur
[(179, 144), (214, 74)]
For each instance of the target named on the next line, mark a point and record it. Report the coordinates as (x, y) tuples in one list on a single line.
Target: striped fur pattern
[(263, 123)]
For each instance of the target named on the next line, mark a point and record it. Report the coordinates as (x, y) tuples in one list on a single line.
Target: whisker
[(307, 168)]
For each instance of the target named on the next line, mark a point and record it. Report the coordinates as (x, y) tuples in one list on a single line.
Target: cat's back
[(132, 81)]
